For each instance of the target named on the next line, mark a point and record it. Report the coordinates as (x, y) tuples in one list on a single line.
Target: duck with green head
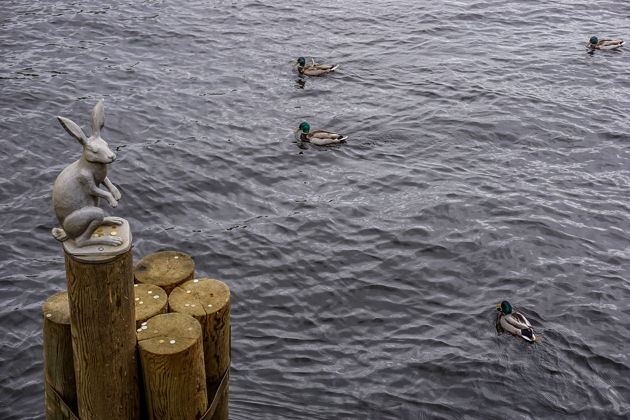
[(515, 322), (318, 137), (603, 44), (313, 69)]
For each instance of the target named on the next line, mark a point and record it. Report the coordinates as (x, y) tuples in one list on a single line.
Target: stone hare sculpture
[(77, 189)]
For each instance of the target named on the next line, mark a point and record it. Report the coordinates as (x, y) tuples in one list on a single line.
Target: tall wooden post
[(100, 290)]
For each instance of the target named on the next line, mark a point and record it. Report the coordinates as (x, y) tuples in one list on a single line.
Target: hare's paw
[(59, 234), (107, 240), (113, 240), (113, 220), (116, 193)]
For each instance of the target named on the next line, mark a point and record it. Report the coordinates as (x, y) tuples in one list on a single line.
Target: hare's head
[(95, 149)]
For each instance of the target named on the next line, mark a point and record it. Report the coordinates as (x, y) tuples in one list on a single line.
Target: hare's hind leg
[(82, 223), (113, 220)]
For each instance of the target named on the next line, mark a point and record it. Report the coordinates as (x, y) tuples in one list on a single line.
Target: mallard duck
[(313, 69), (515, 322), (318, 137), (604, 44)]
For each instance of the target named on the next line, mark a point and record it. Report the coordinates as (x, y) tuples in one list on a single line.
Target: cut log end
[(169, 333), (200, 297), (150, 300), (166, 269), (57, 309)]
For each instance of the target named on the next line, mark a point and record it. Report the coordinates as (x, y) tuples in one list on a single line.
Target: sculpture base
[(101, 253)]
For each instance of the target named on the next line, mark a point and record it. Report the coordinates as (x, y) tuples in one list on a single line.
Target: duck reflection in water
[(300, 82)]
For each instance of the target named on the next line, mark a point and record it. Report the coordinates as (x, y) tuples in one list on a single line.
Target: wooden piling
[(100, 292), (208, 300), (166, 269), (59, 380), (171, 356), (149, 301)]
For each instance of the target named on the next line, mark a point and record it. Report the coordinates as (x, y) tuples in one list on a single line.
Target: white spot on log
[(137, 299), (135, 285), (150, 292), (161, 341), (156, 297), (193, 305), (141, 302), (209, 305), (172, 341), (176, 257), (188, 291), (139, 330), (144, 323), (48, 315), (196, 281)]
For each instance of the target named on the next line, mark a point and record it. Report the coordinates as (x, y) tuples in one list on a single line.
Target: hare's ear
[(73, 129), (98, 118)]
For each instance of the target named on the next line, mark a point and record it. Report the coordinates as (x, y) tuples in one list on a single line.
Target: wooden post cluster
[(99, 333)]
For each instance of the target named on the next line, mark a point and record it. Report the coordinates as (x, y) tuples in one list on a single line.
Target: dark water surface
[(488, 159)]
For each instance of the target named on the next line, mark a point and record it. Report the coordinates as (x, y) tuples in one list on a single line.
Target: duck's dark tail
[(527, 334)]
